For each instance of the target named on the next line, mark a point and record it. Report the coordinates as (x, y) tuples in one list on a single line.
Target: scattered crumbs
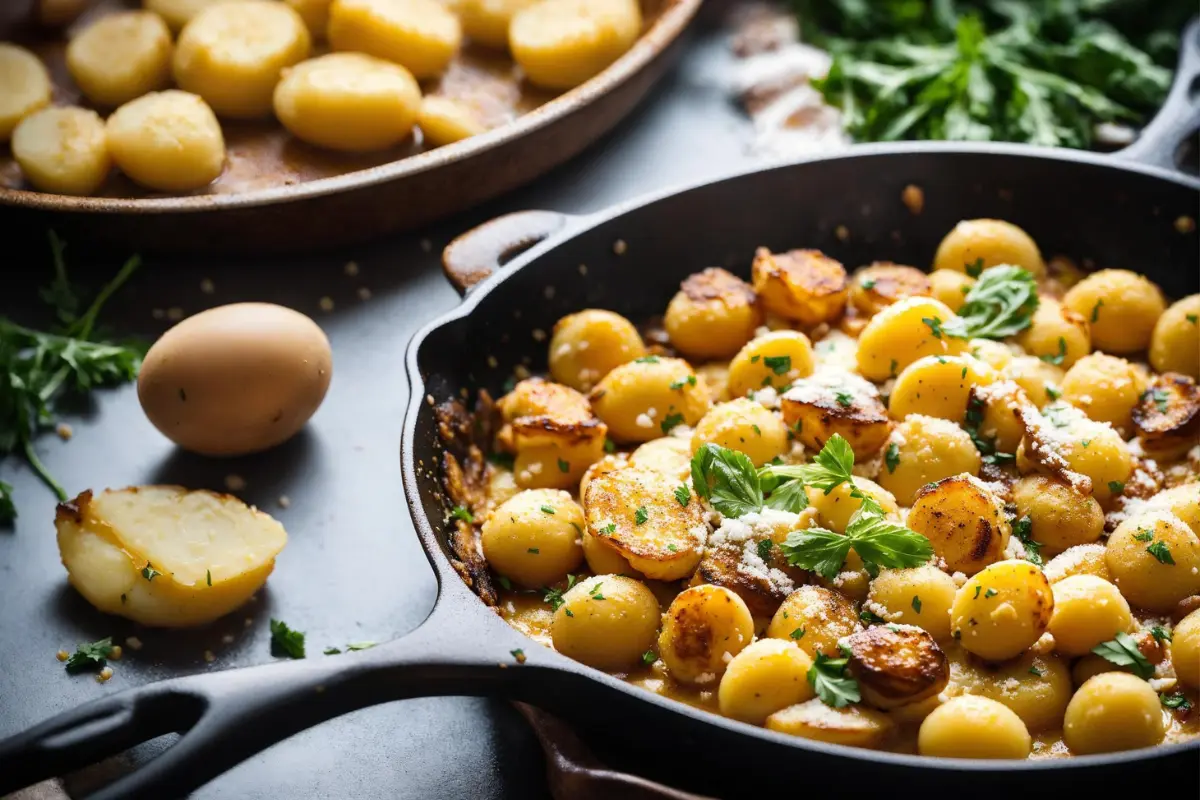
[(364, 293), (521, 372), (248, 621), (429, 399), (519, 655), (351, 268), (284, 501), (62, 655), (913, 198), (103, 675), (539, 335), (326, 303), (207, 286), (620, 246), (175, 313), (158, 313), (227, 639), (583, 269), (64, 431), (209, 656), (426, 246), (1185, 224), (492, 362), (842, 233), (133, 643), (235, 483), (548, 292), (116, 652)]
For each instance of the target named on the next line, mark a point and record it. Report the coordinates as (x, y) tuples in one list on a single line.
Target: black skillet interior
[(1094, 209)]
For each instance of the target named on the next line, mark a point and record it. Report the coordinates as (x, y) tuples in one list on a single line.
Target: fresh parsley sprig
[(879, 542), (90, 656), (727, 479), (1123, 651), (285, 641), (830, 682), (1000, 304), (833, 466)]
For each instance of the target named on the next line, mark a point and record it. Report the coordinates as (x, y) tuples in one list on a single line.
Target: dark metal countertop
[(353, 569)]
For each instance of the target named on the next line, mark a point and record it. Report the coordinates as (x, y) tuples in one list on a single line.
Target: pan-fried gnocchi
[(63, 150), (824, 502), (121, 57), (24, 87), (559, 44), (169, 141), (420, 35)]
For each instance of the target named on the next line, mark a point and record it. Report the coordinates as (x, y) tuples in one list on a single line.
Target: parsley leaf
[(764, 549), (892, 457), (1123, 651), (727, 479), (817, 549), (829, 681), (649, 658), (832, 466), (916, 603), (791, 496), (641, 515), (1161, 634), (555, 596), (1057, 359), (1023, 530), (669, 422), (682, 495), (285, 641), (90, 656), (780, 365), (463, 513), (1161, 552), (546, 509), (1000, 304), (1116, 487), (877, 541), (149, 572), (564, 466), (1177, 701)]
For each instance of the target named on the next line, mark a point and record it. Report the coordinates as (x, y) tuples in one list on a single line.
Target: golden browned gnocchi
[(648, 397), (587, 345), (815, 619), (902, 333), (169, 141), (973, 727), (1087, 611), (978, 244), (922, 450), (836, 506), (1104, 387), (1122, 308), (420, 35), (1035, 686), (445, 121), (552, 431), (856, 726), (24, 87), (919, 596), (766, 677), (1057, 334), (559, 44), (834, 403), (607, 622), (1154, 559), (703, 630), (1111, 712), (121, 57), (1175, 341), (805, 286), (1166, 416), (774, 360), (963, 520), (63, 150), (1040, 380), (950, 286), (1185, 650), (938, 386), (1060, 517), (883, 283), (745, 426), (713, 315), (534, 538), (670, 455), (1002, 610)]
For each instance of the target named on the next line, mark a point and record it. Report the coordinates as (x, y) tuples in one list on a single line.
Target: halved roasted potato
[(705, 627), (166, 556), (637, 513), (552, 431), (857, 726), (963, 520), (805, 286), (825, 404), (896, 665), (882, 283), (1167, 416)]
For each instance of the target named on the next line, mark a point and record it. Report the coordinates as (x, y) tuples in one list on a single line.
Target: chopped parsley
[(505, 583), (764, 549), (1161, 634), (690, 380), (1161, 552), (1052, 392), (797, 634), (1123, 651), (990, 592), (149, 572), (1143, 535), (285, 641), (564, 466), (916, 603), (844, 399), (1194, 319), (518, 654), (555, 596), (1023, 530), (1058, 358), (90, 656), (208, 576), (505, 460), (682, 494), (670, 421), (646, 360), (1161, 398), (1035, 671), (535, 551), (331, 651), (594, 592), (935, 325), (830, 682), (649, 658), (463, 513), (978, 589), (891, 457), (974, 268), (868, 617), (641, 515), (610, 446), (1116, 487), (547, 510), (780, 365), (868, 284), (1177, 701), (1096, 311), (607, 529)]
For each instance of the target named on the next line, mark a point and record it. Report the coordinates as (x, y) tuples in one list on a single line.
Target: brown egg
[(236, 379)]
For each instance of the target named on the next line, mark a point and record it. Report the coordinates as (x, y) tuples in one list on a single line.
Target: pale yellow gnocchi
[(63, 150), (559, 44), (420, 35), (169, 141), (24, 87), (121, 57)]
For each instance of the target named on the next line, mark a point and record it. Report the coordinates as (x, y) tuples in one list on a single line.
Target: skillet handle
[(473, 256), (226, 717), (1180, 115)]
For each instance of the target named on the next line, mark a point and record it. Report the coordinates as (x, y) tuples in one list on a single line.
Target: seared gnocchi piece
[(973, 727), (760, 577), (1054, 443), (896, 666), (1082, 559), (1002, 610), (816, 619), (978, 244), (1154, 559), (745, 426), (1104, 387), (1175, 341), (559, 44), (121, 57), (169, 141), (178, 13), (950, 286), (919, 596), (1113, 712), (1167, 416), (938, 386), (702, 631), (769, 675), (876, 287), (648, 397), (587, 345), (963, 520), (420, 35), (1183, 501), (992, 410), (902, 333), (922, 450), (445, 121), (534, 538), (552, 431), (774, 360), (829, 403), (804, 286), (1060, 517), (603, 559), (63, 150), (638, 514), (713, 315), (606, 622), (1122, 308), (856, 726), (24, 87), (1056, 332), (1087, 611)]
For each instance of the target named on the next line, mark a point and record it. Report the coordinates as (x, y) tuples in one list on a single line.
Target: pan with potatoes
[(831, 504)]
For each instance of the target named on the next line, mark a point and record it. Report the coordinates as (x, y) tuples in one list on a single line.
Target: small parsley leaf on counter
[(285, 641), (90, 656)]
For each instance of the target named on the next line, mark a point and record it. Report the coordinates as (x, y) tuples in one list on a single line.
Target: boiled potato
[(1105, 388), (1166, 416), (63, 150), (534, 538), (835, 507), (973, 727), (767, 676), (1154, 559), (587, 345), (169, 141), (1082, 559), (938, 386), (703, 629), (603, 559), (606, 622), (950, 286), (1122, 307), (178, 13), (836, 403), (420, 35), (444, 121), (1112, 712), (1002, 610), (963, 520), (919, 596), (487, 21), (348, 101), (553, 432), (24, 87), (166, 556), (745, 426), (979, 244), (669, 455), (1175, 341), (895, 666), (713, 315), (925, 449), (1060, 517), (121, 57), (776, 359), (878, 286), (1087, 611), (315, 14), (1056, 332), (804, 286), (815, 618), (1185, 650), (900, 334), (856, 726), (1038, 379), (637, 513), (235, 379), (648, 397), (232, 55), (559, 44), (1036, 687), (995, 406)]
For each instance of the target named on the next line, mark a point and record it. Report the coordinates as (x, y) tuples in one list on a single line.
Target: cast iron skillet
[(1119, 212)]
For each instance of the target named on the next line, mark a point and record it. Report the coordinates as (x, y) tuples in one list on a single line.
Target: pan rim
[(581, 224), (667, 28)]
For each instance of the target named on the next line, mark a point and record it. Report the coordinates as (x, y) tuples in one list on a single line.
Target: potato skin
[(1012, 609), (897, 336), (606, 622), (927, 449), (892, 596), (767, 676), (775, 360), (805, 286), (990, 241), (420, 35), (587, 345), (973, 727), (1175, 341), (745, 426), (817, 409), (121, 57), (169, 141), (1121, 306), (896, 666), (1111, 712), (877, 286), (701, 626), (63, 150), (855, 726), (1061, 518), (1146, 581), (559, 44), (963, 520), (713, 315), (534, 538), (815, 619)]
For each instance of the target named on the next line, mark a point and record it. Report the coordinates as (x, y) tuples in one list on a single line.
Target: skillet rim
[(451, 589)]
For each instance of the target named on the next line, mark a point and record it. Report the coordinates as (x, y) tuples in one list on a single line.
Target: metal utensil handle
[(1179, 117), (226, 717), (476, 254)]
